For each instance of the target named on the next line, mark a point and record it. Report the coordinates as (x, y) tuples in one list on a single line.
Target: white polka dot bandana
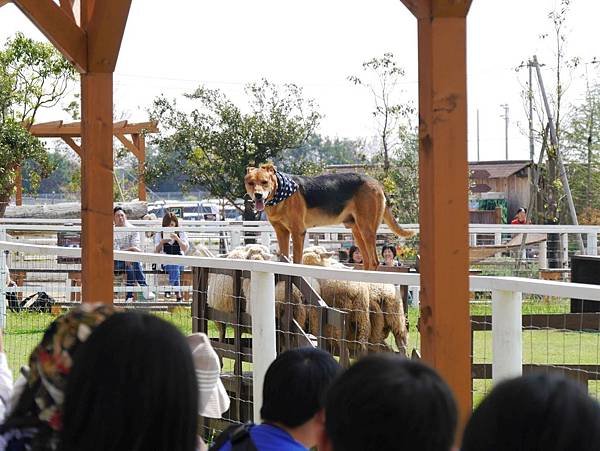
[(285, 188)]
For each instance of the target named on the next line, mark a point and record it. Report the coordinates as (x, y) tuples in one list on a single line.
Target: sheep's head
[(260, 254), (199, 250), (317, 256)]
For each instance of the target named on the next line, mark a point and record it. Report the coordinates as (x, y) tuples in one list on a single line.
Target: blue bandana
[(285, 188)]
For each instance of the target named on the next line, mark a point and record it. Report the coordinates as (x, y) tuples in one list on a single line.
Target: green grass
[(551, 347)]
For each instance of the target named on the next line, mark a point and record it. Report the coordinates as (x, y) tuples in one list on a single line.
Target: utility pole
[(554, 143), (477, 134), (530, 97), (505, 106)]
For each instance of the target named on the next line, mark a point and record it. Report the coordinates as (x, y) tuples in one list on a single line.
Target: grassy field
[(25, 330)]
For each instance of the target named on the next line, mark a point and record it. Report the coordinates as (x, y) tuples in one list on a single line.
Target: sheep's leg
[(298, 243), (283, 239)]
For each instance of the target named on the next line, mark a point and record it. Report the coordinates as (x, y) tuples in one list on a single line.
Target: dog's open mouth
[(259, 204)]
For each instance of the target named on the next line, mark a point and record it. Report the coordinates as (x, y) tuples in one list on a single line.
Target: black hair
[(522, 209), (118, 208), (535, 412), (351, 252), (295, 384), (132, 387), (389, 402), (390, 247)]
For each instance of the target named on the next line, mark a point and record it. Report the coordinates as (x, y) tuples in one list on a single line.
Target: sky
[(317, 44)]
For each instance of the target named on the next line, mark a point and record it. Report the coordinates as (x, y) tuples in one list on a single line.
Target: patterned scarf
[(49, 367), (285, 188)]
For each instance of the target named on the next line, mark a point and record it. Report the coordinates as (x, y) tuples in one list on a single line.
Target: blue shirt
[(270, 438)]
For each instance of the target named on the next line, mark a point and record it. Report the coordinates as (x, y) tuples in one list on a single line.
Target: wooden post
[(139, 141), (19, 187), (96, 188), (443, 186)]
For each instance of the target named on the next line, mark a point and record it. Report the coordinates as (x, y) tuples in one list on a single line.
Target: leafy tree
[(554, 201), (33, 75), (582, 146), (16, 146), (382, 76), (401, 183), (213, 145), (58, 181), (320, 151)]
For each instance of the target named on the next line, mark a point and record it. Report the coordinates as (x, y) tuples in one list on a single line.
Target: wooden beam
[(67, 7), (18, 186), (129, 145), (438, 8), (139, 127), (73, 145), (105, 33), (59, 28), (57, 129), (443, 194), (97, 188), (140, 143)]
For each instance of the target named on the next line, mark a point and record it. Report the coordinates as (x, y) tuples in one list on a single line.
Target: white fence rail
[(506, 297)]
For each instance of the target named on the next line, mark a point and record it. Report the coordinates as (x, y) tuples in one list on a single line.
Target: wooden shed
[(511, 177)]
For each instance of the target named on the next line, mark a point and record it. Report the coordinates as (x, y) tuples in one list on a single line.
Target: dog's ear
[(268, 167), (249, 168), (326, 254)]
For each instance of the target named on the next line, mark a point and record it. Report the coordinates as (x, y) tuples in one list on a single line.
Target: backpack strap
[(239, 435)]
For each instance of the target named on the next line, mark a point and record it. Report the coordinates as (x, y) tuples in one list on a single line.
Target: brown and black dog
[(295, 203)]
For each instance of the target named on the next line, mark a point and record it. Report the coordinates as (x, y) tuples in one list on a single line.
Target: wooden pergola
[(91, 42), (132, 136)]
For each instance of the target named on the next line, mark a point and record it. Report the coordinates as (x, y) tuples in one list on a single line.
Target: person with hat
[(520, 217), (292, 411), (213, 399), (35, 412)]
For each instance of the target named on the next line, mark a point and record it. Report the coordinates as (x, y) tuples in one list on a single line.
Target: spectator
[(354, 255), (36, 418), (213, 400), (537, 412), (132, 387), (292, 413), (175, 244), (388, 252), (129, 241), (520, 217), (386, 402)]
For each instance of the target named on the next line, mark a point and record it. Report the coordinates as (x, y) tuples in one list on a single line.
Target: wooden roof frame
[(136, 144)]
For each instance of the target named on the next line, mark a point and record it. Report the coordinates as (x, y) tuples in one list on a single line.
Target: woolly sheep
[(349, 296), (386, 314), (220, 288)]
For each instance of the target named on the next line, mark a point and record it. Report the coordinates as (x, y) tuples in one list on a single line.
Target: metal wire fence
[(348, 316)]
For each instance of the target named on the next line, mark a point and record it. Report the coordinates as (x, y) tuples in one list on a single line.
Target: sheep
[(349, 296), (386, 314), (382, 297), (220, 288)]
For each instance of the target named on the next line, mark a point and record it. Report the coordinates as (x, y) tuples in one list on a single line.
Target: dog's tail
[(389, 219)]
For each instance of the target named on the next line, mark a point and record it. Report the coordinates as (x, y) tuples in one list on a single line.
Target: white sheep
[(349, 296), (220, 288), (385, 312)]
